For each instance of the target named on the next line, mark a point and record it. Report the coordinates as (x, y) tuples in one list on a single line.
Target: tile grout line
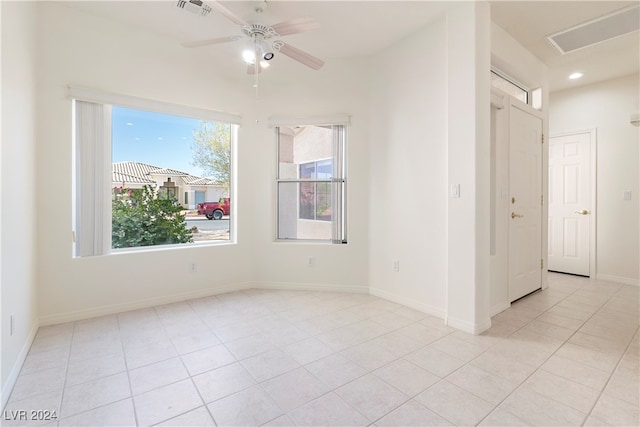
[(64, 383), (497, 406), (126, 367), (552, 354), (179, 356), (339, 352), (610, 376)]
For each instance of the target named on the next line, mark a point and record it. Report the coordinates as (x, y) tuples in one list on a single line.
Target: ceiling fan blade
[(295, 26), (208, 42), (226, 12), (299, 55)]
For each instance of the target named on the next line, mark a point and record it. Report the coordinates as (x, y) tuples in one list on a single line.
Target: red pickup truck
[(215, 210)]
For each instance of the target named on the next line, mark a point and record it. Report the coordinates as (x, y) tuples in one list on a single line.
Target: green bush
[(139, 218)]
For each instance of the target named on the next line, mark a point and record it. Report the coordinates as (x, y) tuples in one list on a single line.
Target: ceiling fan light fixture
[(266, 52), (249, 56), (261, 46)]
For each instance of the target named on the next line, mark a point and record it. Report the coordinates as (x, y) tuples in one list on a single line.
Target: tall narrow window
[(311, 183)]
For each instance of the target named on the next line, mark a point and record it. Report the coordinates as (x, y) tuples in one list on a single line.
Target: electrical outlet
[(396, 266), (193, 267), (311, 261)]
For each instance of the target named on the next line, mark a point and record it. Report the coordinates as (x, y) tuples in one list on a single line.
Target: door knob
[(515, 215), (583, 212)]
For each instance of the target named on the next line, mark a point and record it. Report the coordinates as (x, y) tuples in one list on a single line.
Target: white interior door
[(525, 187), (570, 203)]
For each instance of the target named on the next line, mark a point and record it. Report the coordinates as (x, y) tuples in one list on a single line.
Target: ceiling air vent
[(597, 31), (195, 6)]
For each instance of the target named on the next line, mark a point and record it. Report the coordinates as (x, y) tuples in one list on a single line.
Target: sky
[(153, 138)]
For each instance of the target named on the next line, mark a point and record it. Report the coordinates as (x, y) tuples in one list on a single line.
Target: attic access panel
[(597, 31)]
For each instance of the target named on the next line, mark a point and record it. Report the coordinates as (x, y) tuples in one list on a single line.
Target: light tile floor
[(565, 356)]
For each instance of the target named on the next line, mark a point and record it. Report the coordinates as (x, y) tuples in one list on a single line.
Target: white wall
[(429, 129), (468, 108), (82, 49), (338, 88), (19, 189), (512, 58), (398, 154), (408, 176), (607, 107)]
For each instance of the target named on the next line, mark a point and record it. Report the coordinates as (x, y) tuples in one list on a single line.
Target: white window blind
[(92, 147), (339, 184)]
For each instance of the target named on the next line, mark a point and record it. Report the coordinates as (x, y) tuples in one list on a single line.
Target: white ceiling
[(530, 22), (361, 28)]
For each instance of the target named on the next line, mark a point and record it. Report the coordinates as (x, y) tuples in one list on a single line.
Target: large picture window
[(311, 183), (139, 169)]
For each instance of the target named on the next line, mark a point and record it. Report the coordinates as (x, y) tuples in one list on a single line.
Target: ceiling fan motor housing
[(265, 31), (260, 33)]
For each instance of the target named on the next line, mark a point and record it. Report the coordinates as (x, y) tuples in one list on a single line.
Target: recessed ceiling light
[(575, 75)]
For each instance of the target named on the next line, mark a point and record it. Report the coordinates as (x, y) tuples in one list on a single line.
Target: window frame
[(100, 226), (504, 77), (339, 125)]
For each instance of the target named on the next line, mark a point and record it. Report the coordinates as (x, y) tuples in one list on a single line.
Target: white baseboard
[(296, 286), (135, 305), (425, 308), (72, 316), (472, 328), (7, 387), (499, 308), (618, 279)]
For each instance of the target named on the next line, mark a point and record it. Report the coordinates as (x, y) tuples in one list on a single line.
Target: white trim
[(593, 237), (339, 119), (184, 296), (505, 76), (497, 98), (72, 316), (472, 328), (7, 387), (296, 286), (408, 302), (618, 279), (527, 109), (109, 98), (499, 308)]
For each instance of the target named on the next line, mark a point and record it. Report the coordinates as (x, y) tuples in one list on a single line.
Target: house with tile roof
[(188, 189)]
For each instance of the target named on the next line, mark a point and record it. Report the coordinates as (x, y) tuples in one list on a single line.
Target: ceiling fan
[(262, 41)]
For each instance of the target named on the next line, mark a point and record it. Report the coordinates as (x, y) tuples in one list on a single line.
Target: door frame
[(593, 142)]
